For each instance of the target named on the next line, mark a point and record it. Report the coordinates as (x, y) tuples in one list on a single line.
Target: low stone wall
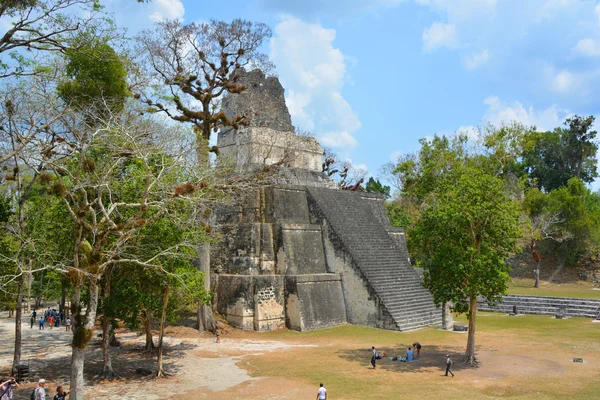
[(251, 302)]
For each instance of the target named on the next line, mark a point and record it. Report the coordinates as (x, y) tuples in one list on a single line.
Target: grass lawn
[(526, 357), (578, 290)]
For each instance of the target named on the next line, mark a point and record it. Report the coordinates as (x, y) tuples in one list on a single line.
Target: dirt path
[(201, 368)]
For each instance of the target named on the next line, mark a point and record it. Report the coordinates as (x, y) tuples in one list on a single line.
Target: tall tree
[(374, 186), (197, 64), (194, 66), (466, 231), (562, 154)]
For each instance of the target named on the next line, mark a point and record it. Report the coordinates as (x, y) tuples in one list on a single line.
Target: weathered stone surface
[(262, 101), (269, 139), (253, 148), (314, 301), (251, 302), (447, 318), (297, 249), (460, 328), (301, 250)]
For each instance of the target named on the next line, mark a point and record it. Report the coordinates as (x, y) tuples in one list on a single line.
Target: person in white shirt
[(322, 393), (40, 391)]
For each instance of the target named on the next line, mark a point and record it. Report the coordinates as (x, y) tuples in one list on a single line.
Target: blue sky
[(371, 77)]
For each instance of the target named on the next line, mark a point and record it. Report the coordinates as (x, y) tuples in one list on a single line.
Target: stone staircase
[(544, 305), (384, 267)]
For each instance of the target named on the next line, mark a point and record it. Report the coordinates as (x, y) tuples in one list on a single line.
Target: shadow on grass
[(430, 357)]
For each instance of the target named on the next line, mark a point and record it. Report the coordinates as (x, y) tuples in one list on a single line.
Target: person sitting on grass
[(409, 355), (378, 355)]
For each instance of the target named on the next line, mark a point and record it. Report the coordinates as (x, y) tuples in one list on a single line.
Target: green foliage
[(95, 73), (398, 216), (465, 235), (557, 156), (374, 186)]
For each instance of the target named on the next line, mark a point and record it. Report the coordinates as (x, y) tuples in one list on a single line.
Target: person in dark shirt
[(61, 394), (417, 346)]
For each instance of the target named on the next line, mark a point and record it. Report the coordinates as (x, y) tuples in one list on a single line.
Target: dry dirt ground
[(521, 358)]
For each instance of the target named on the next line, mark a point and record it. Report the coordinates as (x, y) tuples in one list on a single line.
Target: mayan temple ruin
[(299, 252)]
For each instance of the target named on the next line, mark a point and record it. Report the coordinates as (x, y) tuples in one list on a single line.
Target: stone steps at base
[(420, 325), (575, 307), (538, 310)]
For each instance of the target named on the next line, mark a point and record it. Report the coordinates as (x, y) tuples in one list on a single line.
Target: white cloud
[(476, 60), (440, 35), (313, 72), (563, 81), (587, 47), (167, 9), (338, 139), (471, 131), (499, 112), (597, 10)]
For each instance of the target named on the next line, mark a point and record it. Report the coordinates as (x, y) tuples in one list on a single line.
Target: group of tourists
[(39, 393), (412, 354), (53, 318)]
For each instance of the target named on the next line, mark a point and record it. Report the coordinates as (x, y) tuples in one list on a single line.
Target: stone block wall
[(314, 301), (254, 148), (251, 302)]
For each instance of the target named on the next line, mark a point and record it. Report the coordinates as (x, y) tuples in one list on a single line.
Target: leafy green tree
[(466, 231), (562, 154), (96, 74), (398, 216), (374, 186)]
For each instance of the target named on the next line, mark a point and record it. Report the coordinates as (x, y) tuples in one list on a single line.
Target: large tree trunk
[(29, 279), (18, 320), (63, 297), (107, 370), (82, 334), (470, 353), (206, 320), (159, 364), (146, 318)]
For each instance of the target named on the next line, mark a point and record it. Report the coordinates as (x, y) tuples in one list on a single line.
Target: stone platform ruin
[(298, 252)]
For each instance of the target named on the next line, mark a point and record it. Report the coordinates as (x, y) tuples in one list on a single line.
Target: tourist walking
[(61, 394), (32, 320), (51, 321), (68, 324), (218, 335), (39, 393), (321, 393), (448, 365), (373, 357), (41, 322), (417, 346)]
